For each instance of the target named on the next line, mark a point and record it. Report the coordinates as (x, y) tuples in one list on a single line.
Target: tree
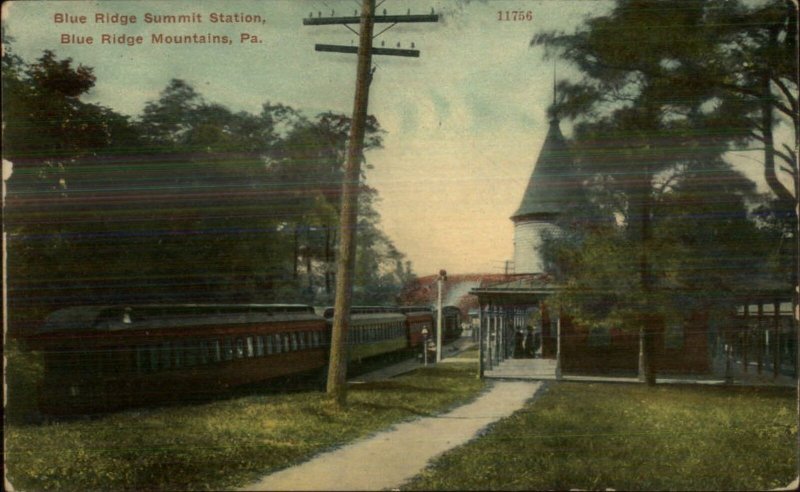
[(58, 145), (647, 111), (189, 202)]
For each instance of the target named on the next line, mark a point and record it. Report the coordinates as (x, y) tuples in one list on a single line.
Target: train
[(105, 358)]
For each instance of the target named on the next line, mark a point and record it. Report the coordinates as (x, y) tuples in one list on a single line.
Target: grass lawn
[(470, 353), (221, 444), (630, 437)]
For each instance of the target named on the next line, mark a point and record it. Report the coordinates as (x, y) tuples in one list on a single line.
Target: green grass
[(470, 353), (222, 444), (23, 373), (630, 437)]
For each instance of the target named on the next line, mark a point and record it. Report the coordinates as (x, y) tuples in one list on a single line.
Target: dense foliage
[(670, 228), (186, 202)]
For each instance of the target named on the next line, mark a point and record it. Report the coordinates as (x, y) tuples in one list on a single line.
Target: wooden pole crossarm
[(378, 19), (335, 48)]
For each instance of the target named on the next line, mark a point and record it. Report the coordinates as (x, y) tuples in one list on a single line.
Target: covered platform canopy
[(505, 308)]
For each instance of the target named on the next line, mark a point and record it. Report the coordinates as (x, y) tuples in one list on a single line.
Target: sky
[(464, 122)]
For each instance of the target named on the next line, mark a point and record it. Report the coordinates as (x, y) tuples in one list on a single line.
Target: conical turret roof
[(553, 185)]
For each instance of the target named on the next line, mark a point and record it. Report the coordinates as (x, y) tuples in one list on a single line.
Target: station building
[(518, 307)]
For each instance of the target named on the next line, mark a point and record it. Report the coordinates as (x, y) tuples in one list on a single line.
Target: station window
[(227, 349), (249, 346), (599, 337), (239, 348), (259, 346), (673, 335)]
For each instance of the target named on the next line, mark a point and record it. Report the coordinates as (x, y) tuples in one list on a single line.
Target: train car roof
[(328, 311), (376, 316), (86, 318), (415, 309)]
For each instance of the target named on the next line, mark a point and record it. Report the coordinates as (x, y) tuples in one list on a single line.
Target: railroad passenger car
[(374, 330), (451, 323), (375, 334), (418, 319), (100, 358)]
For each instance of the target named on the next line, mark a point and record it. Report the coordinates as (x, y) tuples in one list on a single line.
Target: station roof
[(553, 184), (524, 288)]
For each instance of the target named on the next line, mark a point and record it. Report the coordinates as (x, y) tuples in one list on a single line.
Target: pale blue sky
[(464, 121)]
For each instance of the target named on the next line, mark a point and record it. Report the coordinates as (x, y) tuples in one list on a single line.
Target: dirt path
[(388, 459)]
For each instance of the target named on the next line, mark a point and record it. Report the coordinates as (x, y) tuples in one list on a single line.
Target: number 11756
[(514, 15)]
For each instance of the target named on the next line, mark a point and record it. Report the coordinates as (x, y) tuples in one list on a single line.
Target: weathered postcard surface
[(574, 222)]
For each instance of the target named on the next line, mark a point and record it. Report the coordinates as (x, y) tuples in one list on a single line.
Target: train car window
[(314, 339), (141, 360), (166, 363), (286, 346), (204, 352), (153, 351), (295, 345), (270, 349), (216, 351), (249, 346), (259, 346), (302, 339), (179, 349), (192, 349), (227, 349), (277, 343), (239, 348)]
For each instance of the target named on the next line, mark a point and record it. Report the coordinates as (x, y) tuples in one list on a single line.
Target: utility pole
[(439, 281), (337, 368)]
